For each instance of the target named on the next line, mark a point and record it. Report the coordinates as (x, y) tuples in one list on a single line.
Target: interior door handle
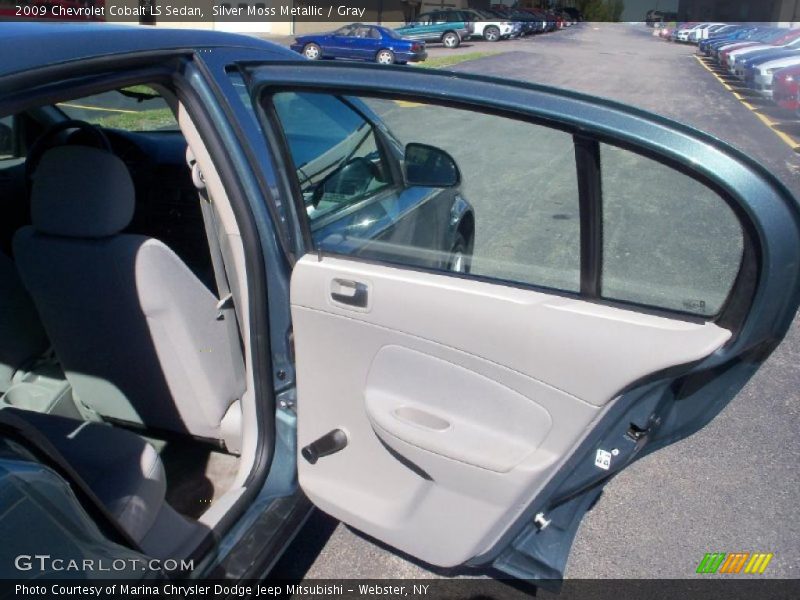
[(351, 293)]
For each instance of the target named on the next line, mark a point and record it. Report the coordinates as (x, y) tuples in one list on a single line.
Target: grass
[(146, 120), (141, 89), (439, 62)]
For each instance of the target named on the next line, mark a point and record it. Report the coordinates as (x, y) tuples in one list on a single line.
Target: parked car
[(721, 50), (486, 25), (759, 75), (680, 26), (785, 88), (440, 26), (737, 32), (665, 30), (361, 42), (702, 32), (520, 27), (740, 51), (531, 22), (249, 278), (548, 19), (746, 60), (719, 30), (684, 33)]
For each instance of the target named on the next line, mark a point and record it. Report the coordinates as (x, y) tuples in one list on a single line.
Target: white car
[(488, 26), (762, 81), (684, 34), (703, 32)]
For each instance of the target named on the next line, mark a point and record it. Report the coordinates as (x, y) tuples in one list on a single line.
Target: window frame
[(267, 106), (734, 307), (16, 150)]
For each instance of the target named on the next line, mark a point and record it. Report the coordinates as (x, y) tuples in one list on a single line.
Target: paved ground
[(733, 486)]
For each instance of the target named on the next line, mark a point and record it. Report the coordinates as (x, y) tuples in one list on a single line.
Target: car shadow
[(789, 127), (462, 45), (305, 548), (758, 102), (489, 574), (296, 561), (779, 114)]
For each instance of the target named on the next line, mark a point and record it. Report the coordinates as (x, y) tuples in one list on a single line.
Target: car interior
[(123, 325)]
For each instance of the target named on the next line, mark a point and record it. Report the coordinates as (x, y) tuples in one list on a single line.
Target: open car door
[(472, 415)]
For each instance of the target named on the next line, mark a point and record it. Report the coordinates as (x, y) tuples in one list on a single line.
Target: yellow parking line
[(82, 107), (787, 139), (407, 104)]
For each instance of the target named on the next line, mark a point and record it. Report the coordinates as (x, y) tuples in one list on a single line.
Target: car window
[(335, 151), (365, 32), (346, 30), (668, 240), (135, 108), (524, 203), (518, 209)]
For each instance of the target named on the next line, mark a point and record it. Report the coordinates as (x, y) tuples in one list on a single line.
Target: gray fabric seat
[(22, 338), (123, 470), (126, 475), (136, 332)]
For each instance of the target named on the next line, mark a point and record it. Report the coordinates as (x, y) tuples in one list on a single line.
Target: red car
[(785, 88)]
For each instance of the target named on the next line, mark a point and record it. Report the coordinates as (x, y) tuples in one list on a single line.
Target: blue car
[(361, 42), (765, 35), (735, 33), (231, 294), (749, 61)]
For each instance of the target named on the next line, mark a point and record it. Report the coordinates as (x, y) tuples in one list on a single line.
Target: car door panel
[(481, 407), (340, 46), (483, 418)]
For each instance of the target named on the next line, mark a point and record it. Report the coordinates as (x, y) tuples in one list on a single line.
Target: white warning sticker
[(603, 459)]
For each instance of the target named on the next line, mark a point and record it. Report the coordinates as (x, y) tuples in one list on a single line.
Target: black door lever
[(352, 293), (328, 444)]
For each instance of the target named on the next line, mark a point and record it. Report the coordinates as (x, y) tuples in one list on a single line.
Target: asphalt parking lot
[(733, 486)]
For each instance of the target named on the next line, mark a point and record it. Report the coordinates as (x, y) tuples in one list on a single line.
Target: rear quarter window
[(668, 240)]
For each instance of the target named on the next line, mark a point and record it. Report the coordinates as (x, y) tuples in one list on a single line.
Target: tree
[(601, 10), (615, 10)]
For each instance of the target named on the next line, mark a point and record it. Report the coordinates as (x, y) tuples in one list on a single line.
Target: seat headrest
[(81, 192)]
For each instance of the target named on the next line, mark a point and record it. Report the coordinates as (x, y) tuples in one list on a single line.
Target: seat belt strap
[(227, 304)]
